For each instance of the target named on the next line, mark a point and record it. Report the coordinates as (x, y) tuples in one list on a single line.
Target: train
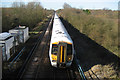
[(61, 51)]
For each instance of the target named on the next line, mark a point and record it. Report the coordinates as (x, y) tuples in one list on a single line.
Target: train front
[(61, 54)]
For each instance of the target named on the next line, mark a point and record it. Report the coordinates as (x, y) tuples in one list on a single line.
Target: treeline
[(23, 14), (100, 25)]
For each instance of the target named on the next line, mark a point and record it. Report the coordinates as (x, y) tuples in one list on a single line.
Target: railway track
[(30, 69), (81, 73), (71, 73)]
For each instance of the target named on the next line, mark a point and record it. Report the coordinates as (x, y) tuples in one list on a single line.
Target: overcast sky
[(58, 4)]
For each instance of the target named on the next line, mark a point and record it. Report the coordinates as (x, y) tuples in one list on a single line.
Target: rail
[(16, 58), (81, 72), (80, 69)]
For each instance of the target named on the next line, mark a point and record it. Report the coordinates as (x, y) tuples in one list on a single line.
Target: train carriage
[(61, 50)]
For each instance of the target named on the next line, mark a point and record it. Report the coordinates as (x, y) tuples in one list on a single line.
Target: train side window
[(54, 49), (69, 49)]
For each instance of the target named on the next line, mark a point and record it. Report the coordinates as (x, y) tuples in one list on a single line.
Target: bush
[(21, 14), (100, 25)]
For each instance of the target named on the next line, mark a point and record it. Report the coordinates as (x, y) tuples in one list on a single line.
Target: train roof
[(59, 33), (56, 16)]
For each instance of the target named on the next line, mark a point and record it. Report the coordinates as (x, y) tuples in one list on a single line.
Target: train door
[(62, 53)]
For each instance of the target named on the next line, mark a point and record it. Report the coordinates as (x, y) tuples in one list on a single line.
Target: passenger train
[(61, 50)]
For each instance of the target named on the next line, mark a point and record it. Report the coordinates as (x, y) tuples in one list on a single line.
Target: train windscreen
[(54, 49), (69, 49), (69, 52)]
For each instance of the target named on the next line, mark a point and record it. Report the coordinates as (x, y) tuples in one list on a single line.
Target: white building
[(6, 42), (22, 33)]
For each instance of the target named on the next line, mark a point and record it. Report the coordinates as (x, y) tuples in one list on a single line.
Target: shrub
[(100, 25)]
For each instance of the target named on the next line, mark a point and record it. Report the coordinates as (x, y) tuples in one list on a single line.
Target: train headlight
[(54, 58), (69, 57)]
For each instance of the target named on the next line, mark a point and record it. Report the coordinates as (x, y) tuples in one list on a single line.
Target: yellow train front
[(61, 50)]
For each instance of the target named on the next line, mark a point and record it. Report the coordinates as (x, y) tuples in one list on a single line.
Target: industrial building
[(7, 44), (21, 34), (8, 41)]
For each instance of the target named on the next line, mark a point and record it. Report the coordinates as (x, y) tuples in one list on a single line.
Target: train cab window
[(69, 49), (54, 49)]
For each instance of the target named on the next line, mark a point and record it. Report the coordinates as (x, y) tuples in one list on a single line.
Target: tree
[(66, 6)]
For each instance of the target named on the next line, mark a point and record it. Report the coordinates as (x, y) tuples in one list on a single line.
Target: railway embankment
[(97, 62)]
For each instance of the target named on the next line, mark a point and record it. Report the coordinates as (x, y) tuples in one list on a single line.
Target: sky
[(58, 4)]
